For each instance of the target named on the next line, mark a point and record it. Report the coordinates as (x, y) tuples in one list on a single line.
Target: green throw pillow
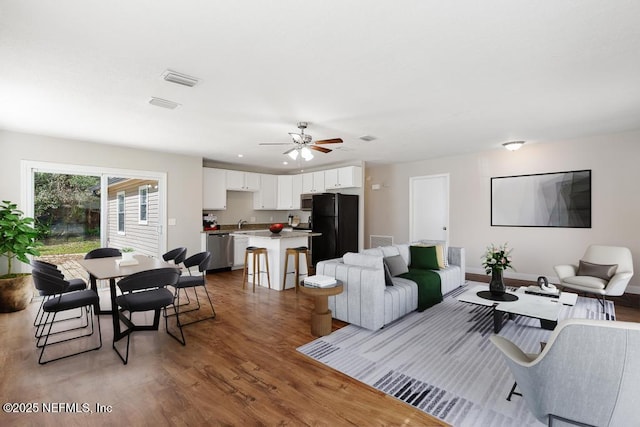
[(424, 257)]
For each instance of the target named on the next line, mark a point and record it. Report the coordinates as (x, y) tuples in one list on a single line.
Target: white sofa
[(366, 300)]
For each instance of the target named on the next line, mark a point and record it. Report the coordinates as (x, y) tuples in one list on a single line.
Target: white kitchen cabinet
[(243, 181), (313, 182), (345, 177), (240, 244), (289, 190), (214, 189), (267, 196)]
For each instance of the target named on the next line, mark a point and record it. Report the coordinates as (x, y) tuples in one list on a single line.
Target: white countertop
[(284, 234)]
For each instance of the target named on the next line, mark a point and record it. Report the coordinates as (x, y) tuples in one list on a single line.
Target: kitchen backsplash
[(240, 207)]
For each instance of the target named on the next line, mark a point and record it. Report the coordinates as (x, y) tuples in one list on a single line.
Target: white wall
[(613, 160), (184, 175)]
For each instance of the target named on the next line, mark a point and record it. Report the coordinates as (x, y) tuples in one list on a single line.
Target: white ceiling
[(426, 78)]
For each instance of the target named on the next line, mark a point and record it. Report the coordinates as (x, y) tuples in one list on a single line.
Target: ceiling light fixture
[(179, 78), (302, 151), (164, 103), (513, 145), (306, 153)]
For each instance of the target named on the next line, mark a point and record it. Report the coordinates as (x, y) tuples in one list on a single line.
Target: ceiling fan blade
[(288, 151), (296, 137), (321, 149), (274, 143), (330, 141)]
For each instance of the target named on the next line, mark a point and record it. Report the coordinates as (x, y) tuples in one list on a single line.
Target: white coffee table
[(545, 309)]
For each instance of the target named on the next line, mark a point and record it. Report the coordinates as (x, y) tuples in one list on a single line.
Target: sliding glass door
[(78, 208)]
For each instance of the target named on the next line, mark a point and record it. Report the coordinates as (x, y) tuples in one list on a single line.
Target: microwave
[(306, 201)]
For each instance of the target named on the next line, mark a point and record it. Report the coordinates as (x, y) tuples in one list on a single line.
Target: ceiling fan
[(303, 144)]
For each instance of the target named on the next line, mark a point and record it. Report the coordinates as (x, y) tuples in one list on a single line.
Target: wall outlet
[(271, 219), (252, 219), (172, 221)]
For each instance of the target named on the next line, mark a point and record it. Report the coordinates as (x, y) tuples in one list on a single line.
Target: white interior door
[(429, 208)]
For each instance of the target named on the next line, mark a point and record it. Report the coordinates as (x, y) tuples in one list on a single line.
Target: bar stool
[(296, 252), (255, 255)]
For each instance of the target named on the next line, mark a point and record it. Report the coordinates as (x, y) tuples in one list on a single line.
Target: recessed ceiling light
[(164, 103), (367, 138), (285, 163), (240, 155), (179, 78)]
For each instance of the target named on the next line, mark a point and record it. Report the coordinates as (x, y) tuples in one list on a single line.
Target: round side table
[(321, 315)]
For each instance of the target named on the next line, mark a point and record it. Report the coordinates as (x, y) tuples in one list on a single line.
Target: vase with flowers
[(495, 261)]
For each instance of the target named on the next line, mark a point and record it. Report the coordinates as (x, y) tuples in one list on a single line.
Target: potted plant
[(495, 260), (18, 238), (127, 253)]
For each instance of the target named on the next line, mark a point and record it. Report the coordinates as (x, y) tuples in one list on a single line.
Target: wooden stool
[(255, 255), (296, 252)]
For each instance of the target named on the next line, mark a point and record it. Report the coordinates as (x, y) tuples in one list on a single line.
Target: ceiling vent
[(164, 103), (367, 138), (179, 78)]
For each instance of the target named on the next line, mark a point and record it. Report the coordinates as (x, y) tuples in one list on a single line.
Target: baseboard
[(629, 299)]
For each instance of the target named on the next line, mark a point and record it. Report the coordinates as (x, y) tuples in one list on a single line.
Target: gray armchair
[(587, 374), (603, 270)]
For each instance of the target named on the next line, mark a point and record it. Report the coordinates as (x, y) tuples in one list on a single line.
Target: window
[(120, 196), (143, 204)]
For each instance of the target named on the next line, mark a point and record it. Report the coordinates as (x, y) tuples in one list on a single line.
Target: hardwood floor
[(240, 369)]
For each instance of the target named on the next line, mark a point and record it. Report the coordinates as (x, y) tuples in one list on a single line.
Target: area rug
[(441, 361)]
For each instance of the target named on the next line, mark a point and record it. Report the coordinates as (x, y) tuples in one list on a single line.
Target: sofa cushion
[(602, 271), (403, 250), (445, 249), (396, 265), (388, 278), (424, 257), (362, 260)]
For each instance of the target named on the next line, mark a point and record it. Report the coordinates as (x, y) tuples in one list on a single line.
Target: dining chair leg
[(181, 340), (47, 343)]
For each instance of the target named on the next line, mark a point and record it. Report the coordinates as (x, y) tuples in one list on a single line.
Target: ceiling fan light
[(293, 154), (513, 145), (306, 153)]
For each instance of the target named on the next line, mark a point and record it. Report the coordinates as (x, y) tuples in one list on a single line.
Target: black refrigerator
[(334, 215)]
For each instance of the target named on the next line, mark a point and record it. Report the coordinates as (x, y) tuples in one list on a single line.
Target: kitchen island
[(277, 245)]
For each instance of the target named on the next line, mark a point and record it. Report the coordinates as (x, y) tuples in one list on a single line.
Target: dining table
[(113, 268)]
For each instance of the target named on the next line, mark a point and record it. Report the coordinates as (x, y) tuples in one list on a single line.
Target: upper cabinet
[(345, 177), (267, 197), (243, 181), (313, 182), (289, 190), (214, 189)]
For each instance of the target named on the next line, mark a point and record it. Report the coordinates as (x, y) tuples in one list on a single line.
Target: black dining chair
[(195, 281), (74, 285), (59, 301), (103, 253), (146, 291), (178, 256)]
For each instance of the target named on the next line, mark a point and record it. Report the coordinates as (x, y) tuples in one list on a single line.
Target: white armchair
[(587, 373), (596, 273)]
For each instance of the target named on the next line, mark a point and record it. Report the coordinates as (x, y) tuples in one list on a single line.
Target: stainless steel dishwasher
[(221, 247)]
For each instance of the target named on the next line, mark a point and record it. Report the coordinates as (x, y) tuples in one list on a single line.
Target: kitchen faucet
[(240, 223)]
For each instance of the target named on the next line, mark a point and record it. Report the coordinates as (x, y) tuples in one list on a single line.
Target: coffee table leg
[(548, 324), (321, 317)]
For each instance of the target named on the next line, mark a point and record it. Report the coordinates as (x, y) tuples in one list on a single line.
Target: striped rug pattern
[(441, 361)]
